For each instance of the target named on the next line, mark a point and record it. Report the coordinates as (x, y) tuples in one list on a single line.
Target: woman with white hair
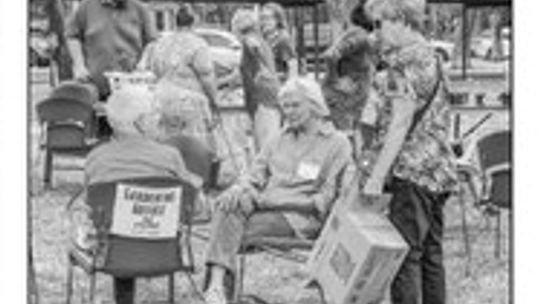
[(132, 152), (414, 155), (288, 191), (259, 77)]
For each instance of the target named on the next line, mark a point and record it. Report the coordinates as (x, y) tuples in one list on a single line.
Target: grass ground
[(275, 280)]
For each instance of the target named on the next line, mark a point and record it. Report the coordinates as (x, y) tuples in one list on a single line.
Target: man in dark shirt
[(107, 35)]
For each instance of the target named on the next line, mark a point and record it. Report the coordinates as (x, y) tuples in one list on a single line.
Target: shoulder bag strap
[(420, 113)]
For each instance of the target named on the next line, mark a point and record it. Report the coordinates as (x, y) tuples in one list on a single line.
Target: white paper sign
[(307, 170), (141, 212)]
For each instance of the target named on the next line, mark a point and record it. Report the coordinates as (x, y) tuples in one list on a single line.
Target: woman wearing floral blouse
[(414, 155)]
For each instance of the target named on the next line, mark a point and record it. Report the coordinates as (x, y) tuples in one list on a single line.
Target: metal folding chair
[(66, 119), (494, 154), (291, 249), (139, 253)]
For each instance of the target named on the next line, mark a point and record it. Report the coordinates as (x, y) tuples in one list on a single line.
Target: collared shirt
[(303, 165), (112, 38), (134, 157), (425, 157)]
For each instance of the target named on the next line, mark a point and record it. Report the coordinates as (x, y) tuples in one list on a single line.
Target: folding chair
[(291, 249), (141, 229), (288, 248), (66, 119), (494, 154)]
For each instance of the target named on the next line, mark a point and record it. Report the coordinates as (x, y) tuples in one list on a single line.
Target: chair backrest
[(198, 157), (62, 110), (494, 149), (68, 122), (135, 219), (500, 193)]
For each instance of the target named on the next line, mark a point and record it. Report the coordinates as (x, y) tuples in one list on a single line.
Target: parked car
[(482, 45), (225, 48)]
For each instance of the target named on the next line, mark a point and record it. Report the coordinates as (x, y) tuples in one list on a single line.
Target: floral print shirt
[(425, 157)]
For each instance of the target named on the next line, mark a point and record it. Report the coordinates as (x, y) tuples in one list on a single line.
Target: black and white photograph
[(269, 152)]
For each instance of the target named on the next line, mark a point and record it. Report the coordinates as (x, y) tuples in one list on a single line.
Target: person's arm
[(403, 109), (249, 185), (203, 66), (322, 201), (182, 172)]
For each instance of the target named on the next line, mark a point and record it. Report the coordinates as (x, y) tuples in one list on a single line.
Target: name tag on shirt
[(307, 170)]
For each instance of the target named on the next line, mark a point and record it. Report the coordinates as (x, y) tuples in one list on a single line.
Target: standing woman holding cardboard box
[(415, 157)]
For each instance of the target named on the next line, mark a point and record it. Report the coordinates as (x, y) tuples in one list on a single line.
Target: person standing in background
[(259, 77), (108, 35), (186, 81), (276, 33)]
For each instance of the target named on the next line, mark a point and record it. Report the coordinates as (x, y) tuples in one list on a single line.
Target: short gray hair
[(307, 89), (127, 105)]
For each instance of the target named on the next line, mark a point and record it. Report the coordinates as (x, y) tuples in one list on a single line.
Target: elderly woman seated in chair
[(133, 152), (288, 191)]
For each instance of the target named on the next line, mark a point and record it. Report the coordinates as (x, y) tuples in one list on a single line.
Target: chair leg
[(171, 288), (33, 294), (239, 280), (498, 236), (47, 174), (69, 281), (92, 289), (465, 230)]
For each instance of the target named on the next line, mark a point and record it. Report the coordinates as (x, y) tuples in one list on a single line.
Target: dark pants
[(417, 213), (124, 290)]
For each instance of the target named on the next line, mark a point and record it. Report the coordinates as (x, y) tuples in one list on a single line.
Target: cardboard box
[(357, 256)]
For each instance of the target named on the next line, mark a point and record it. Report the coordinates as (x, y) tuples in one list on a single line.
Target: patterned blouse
[(425, 157)]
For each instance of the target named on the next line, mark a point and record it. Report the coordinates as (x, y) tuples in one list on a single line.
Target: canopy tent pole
[(464, 44), (315, 21)]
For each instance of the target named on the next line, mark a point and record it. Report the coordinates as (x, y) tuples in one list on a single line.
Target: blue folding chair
[(145, 255)]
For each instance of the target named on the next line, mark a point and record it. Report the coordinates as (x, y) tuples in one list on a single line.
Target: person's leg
[(268, 223), (228, 233), (124, 290), (433, 274), (408, 216), (225, 241)]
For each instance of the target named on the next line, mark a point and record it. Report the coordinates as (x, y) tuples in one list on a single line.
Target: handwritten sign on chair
[(150, 213)]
